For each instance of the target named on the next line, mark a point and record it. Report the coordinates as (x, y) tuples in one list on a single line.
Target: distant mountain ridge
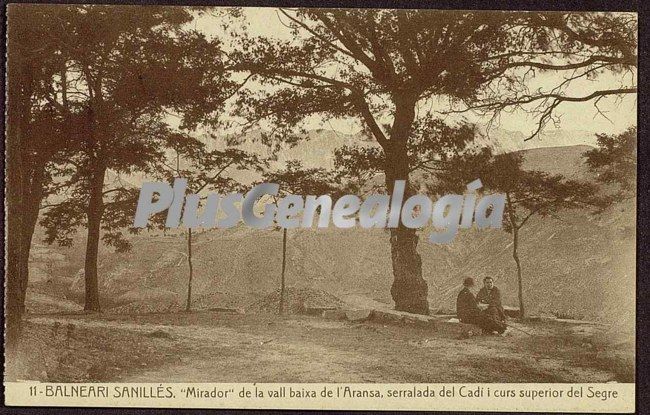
[(317, 149), (509, 141)]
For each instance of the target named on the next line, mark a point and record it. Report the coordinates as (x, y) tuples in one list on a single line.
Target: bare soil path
[(227, 347)]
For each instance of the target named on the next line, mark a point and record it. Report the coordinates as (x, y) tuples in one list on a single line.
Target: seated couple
[(484, 310)]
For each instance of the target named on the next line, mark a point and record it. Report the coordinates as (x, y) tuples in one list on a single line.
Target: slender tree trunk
[(515, 255), (188, 304), (409, 290), (512, 219), (95, 208), (94, 215), (284, 266)]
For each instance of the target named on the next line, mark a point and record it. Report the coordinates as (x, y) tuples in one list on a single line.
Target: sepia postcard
[(320, 208)]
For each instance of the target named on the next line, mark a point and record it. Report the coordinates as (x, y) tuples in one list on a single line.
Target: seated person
[(466, 306), (491, 297), (469, 312)]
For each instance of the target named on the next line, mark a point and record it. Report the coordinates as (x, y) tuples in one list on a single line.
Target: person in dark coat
[(466, 306), (469, 312), (491, 296)]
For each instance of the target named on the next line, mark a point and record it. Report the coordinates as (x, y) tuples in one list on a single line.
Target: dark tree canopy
[(296, 179), (433, 147), (361, 63), (573, 47), (615, 160)]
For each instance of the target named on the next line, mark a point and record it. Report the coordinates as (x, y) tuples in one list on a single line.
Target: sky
[(619, 112)]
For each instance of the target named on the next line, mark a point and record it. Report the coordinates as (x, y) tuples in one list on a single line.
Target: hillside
[(577, 265), (565, 160), (507, 141)]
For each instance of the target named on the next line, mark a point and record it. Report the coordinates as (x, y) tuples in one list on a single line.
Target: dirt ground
[(228, 347)]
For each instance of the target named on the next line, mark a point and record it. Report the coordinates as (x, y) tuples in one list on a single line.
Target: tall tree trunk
[(28, 227), (32, 197), (14, 277), (188, 304), (515, 255), (20, 84), (284, 266), (409, 290), (94, 215)]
